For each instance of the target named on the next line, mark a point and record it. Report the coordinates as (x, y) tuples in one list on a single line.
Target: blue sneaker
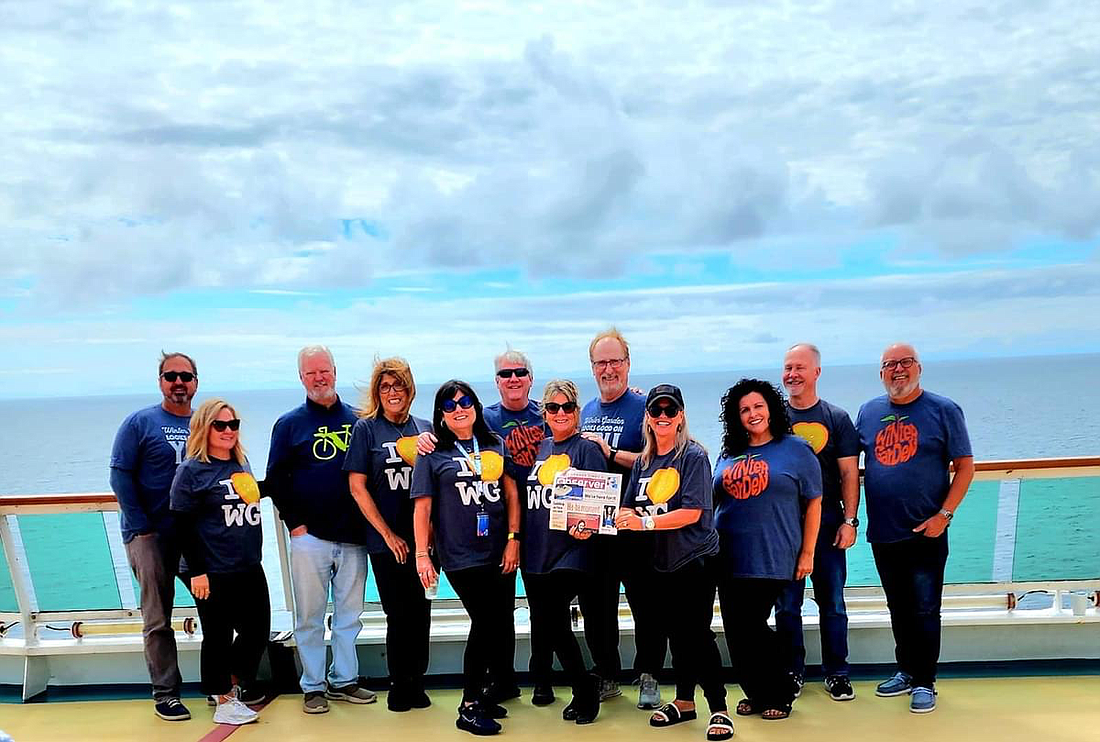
[(922, 700), (898, 685)]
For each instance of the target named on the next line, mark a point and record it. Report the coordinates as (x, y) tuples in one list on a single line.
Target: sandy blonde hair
[(370, 399), (198, 443), (610, 332)]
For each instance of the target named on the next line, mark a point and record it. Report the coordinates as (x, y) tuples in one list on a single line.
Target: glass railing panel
[(8, 603), (70, 561), (1056, 532)]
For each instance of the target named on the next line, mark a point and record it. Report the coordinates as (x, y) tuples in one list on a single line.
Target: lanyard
[(475, 460)]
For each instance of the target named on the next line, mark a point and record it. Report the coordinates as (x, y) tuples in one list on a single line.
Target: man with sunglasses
[(910, 439), (150, 444), (516, 417), (328, 534)]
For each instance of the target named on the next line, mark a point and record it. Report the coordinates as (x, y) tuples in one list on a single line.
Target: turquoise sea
[(1015, 408)]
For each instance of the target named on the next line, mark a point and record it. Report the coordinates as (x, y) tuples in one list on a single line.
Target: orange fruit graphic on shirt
[(406, 449), (745, 477), (492, 466), (897, 442), (663, 485), (550, 468), (816, 434), (244, 484)]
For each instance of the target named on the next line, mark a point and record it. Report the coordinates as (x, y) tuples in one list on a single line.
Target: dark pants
[(155, 558), (687, 602), (830, 573), (912, 578), (238, 603), (754, 648), (549, 596), (599, 602), (488, 597), (408, 620), (639, 576)]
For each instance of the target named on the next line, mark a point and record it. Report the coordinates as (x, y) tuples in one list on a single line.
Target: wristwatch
[(947, 514), (853, 522), (513, 536), (648, 524), (611, 455)]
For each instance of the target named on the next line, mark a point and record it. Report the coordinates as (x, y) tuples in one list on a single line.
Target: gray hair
[(512, 356), (314, 350), (810, 347)]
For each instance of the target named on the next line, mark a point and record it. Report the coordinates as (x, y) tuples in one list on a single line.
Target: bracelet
[(421, 554)]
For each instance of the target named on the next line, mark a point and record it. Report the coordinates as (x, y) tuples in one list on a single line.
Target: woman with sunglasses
[(216, 502), (554, 562), (767, 494), (379, 463), (669, 494), (463, 499)]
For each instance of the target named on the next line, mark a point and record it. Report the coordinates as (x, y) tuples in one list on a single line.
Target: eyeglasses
[(906, 362), (450, 405), (669, 409), (507, 373), (610, 363), (567, 407), (397, 386), (185, 376), (221, 425)]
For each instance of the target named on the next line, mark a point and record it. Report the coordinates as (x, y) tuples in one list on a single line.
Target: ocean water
[(1015, 408)]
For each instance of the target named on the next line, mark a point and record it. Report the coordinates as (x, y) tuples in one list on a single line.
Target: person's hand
[(805, 564), (397, 545), (934, 526), (425, 443), (299, 531), (845, 536), (510, 562), (200, 587), (580, 533), (426, 570), (628, 520), (595, 438)]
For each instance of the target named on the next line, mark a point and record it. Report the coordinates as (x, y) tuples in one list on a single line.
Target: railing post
[(284, 562), (20, 576)]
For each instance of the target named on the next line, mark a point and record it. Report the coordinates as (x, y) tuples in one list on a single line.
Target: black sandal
[(720, 727), (670, 714), (746, 707)]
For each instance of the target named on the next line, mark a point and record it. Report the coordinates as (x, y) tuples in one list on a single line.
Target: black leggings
[(599, 601), (755, 649), (549, 596), (488, 597), (635, 559), (687, 601), (238, 603), (408, 620)]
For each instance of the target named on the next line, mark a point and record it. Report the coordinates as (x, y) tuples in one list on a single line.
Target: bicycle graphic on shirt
[(329, 443)]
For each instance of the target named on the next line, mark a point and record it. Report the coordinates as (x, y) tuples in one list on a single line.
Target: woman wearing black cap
[(669, 494), (767, 494)]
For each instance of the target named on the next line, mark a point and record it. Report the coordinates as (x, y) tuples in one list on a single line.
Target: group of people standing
[(467, 494)]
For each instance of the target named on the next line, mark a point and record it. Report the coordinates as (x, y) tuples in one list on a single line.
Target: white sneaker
[(234, 712)]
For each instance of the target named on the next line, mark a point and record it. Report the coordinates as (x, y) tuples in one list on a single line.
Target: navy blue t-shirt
[(907, 449), (672, 482), (829, 431), (220, 532), (150, 444), (545, 550), (385, 452), (458, 495), (759, 497), (305, 472), (619, 423), (522, 432)]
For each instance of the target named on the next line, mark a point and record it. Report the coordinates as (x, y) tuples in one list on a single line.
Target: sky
[(439, 181)]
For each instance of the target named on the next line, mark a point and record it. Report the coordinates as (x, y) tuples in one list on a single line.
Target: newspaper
[(586, 499)]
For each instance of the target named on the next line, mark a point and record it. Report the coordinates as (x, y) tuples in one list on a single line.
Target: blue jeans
[(912, 578), (316, 565), (829, 575)]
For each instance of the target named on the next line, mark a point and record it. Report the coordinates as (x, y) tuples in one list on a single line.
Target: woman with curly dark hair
[(767, 510)]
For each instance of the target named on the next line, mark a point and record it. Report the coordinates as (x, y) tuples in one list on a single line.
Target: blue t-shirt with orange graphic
[(522, 433), (545, 550), (759, 497), (830, 433), (672, 482), (906, 452)]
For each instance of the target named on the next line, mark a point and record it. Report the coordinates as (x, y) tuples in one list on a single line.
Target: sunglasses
[(221, 425), (507, 373), (450, 405), (669, 409), (185, 376), (567, 407)]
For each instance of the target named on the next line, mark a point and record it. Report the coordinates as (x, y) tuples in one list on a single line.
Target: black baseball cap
[(665, 391)]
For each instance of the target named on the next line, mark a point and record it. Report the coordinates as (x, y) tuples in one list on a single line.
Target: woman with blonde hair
[(379, 464), (216, 502)]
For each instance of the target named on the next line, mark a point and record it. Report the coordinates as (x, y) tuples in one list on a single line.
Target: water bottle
[(431, 592)]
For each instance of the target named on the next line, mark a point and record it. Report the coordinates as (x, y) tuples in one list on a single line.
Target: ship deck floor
[(1053, 709)]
